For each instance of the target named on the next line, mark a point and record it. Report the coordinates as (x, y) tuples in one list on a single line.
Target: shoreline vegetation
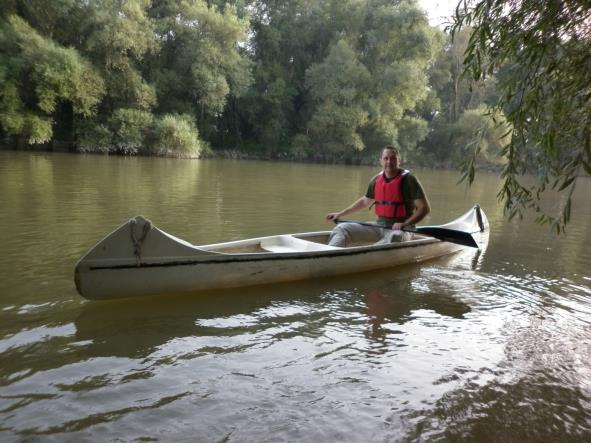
[(231, 154)]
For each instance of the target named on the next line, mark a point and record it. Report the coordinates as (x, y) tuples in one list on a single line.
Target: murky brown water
[(491, 346)]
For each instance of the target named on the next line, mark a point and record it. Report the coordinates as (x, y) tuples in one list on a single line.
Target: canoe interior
[(317, 241)]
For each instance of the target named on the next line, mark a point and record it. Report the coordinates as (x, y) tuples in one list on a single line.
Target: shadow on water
[(527, 400), (136, 327), (498, 412)]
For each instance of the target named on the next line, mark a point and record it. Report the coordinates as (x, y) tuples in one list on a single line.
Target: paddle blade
[(448, 235)]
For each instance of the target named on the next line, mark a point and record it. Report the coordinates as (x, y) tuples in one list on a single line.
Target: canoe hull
[(101, 274)]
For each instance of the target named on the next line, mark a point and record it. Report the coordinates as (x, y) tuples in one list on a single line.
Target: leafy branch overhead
[(540, 53)]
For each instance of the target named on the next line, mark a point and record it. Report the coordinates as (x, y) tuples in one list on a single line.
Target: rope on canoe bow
[(137, 243)]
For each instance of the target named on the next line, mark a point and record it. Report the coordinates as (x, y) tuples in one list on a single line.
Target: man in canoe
[(398, 199)]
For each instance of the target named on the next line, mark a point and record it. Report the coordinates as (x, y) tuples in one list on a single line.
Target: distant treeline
[(315, 80)]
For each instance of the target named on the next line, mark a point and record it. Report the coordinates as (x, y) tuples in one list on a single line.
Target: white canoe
[(138, 259)]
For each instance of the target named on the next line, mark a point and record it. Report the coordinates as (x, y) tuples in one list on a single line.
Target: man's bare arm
[(422, 209), (361, 203)]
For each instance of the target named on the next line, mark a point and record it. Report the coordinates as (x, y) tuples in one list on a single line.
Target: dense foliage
[(540, 52), (324, 80), (106, 75)]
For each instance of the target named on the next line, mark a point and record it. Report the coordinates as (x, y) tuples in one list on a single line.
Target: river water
[(490, 345)]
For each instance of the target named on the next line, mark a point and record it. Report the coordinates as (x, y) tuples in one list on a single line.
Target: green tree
[(456, 94), (288, 36), (338, 85), (38, 74), (129, 128), (397, 46), (411, 131), (116, 65), (200, 63), (120, 31), (541, 53), (176, 134), (301, 91), (457, 91), (117, 36)]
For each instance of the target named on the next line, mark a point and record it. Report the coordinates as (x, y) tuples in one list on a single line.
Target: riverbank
[(236, 154)]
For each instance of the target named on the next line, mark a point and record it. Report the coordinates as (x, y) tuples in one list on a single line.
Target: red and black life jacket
[(389, 200)]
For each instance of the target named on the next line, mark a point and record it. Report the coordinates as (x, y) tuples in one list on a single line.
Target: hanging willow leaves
[(540, 53)]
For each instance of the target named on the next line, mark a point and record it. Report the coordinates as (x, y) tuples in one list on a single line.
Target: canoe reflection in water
[(419, 288)]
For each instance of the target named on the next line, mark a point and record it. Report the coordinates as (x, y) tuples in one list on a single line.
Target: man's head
[(390, 160)]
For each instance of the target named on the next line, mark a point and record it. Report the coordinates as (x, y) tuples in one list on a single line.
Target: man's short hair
[(392, 148)]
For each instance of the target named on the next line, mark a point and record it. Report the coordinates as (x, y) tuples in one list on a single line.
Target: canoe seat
[(287, 243)]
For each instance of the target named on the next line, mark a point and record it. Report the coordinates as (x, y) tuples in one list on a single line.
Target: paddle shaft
[(444, 234)]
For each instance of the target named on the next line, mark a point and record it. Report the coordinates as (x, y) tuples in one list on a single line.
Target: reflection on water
[(487, 345)]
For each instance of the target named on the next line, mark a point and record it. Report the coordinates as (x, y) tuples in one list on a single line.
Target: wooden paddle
[(443, 234)]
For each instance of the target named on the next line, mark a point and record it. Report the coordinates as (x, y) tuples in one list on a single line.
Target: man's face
[(390, 162)]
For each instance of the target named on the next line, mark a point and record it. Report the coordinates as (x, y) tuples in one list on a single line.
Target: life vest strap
[(388, 203)]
